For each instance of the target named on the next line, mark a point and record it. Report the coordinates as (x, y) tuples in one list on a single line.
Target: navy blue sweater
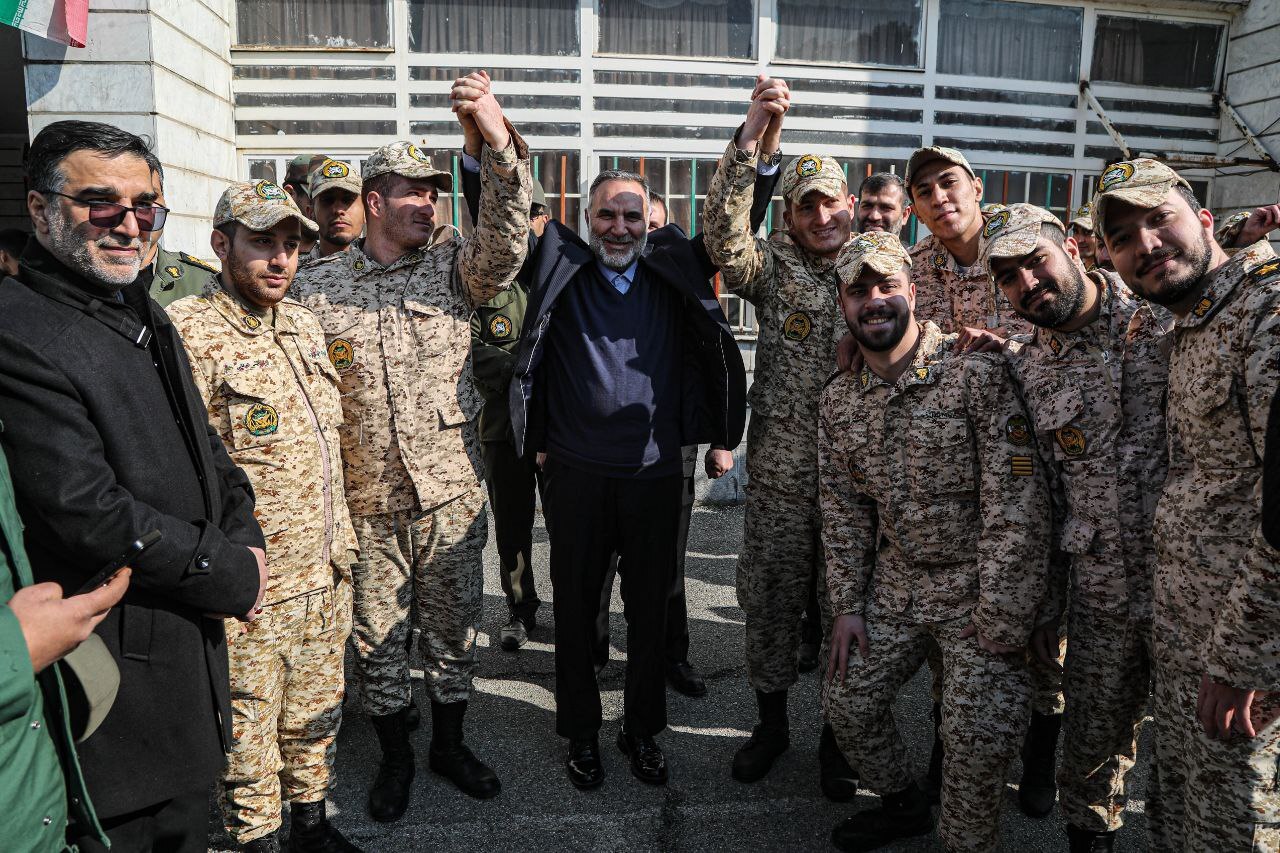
[(612, 378)]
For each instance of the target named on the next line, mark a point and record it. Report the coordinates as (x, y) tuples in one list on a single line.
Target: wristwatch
[(774, 159)]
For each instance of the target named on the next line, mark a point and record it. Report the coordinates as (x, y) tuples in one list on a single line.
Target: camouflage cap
[(539, 194), (258, 205), (1143, 183), (810, 172), (880, 250), (993, 207), (1013, 232), (1230, 228), (331, 174), (923, 156), (1083, 217), (407, 160)]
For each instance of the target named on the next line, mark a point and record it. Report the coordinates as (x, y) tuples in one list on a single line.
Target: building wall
[(1253, 88), (160, 68)]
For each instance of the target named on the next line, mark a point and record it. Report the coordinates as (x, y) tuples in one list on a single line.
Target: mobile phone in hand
[(141, 544)]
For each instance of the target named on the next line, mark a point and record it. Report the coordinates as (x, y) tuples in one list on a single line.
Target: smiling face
[(882, 210), (1163, 252), (947, 199), (878, 308), (619, 223), (260, 265), (1087, 241), (1046, 286), (820, 223), (109, 256)]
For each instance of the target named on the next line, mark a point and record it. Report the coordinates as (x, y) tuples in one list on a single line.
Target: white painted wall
[(161, 68)]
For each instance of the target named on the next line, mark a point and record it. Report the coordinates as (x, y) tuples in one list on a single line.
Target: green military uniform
[(177, 274)]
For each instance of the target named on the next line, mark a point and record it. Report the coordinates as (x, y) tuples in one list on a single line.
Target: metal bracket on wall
[(1087, 93), (1256, 144)]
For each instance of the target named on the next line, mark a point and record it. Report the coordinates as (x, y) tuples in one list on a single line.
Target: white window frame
[(393, 31)]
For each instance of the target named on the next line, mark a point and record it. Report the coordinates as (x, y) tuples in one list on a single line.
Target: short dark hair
[(13, 240), (617, 175), (1051, 232), (1189, 196), (655, 198), (382, 184), (536, 210), (61, 139), (881, 181)]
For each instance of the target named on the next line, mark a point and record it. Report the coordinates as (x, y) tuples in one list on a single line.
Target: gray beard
[(617, 263), (70, 248)]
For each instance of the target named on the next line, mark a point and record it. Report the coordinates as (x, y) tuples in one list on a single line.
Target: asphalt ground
[(510, 724)]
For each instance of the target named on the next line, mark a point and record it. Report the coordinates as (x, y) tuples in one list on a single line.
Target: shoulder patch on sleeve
[(1265, 271), (196, 262)]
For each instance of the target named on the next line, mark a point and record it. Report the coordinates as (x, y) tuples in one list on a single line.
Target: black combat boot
[(412, 716), (810, 643), (1038, 790), (839, 780), (451, 758), (933, 780), (269, 843), (389, 795), (1089, 841), (905, 814), (769, 739), (311, 832)]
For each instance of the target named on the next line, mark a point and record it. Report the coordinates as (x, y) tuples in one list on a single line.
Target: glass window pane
[(1052, 192), (321, 24), (876, 32), (1019, 41), (262, 170), (1150, 52), (509, 27), (678, 27)]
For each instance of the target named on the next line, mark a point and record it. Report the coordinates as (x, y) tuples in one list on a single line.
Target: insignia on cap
[(1083, 210), (1017, 430), (341, 354), (863, 243), (335, 169), (808, 166), (1071, 440), (261, 419), (269, 191), (250, 321), (417, 155), (797, 326), (1117, 174), (174, 271), (500, 326), (998, 220), (1020, 466)]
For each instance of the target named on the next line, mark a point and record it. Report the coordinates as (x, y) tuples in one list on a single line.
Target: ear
[(786, 217), (977, 188), (1206, 220), (38, 209), (906, 212), (373, 205), (1072, 248), (221, 245), (911, 294)]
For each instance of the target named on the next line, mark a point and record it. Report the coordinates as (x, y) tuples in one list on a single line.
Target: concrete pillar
[(159, 68)]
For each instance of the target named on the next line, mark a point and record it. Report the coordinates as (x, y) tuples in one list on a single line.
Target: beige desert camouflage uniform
[(1096, 399), (934, 516), (400, 340), (273, 396), (795, 297), (952, 296), (1217, 586)]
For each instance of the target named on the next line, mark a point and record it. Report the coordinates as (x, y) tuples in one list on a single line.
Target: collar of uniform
[(1059, 343), (935, 256), (362, 265), (246, 321), (1221, 282), (922, 371)]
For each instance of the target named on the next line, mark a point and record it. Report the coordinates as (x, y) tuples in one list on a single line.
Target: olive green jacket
[(495, 332), (178, 274)]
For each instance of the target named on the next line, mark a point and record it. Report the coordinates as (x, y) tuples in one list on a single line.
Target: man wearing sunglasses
[(108, 440)]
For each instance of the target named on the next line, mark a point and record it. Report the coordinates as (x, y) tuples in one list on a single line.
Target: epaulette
[(1264, 271), (196, 262)]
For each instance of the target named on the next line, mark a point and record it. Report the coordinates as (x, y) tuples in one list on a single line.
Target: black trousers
[(512, 482), (180, 825), (677, 642), (589, 518)]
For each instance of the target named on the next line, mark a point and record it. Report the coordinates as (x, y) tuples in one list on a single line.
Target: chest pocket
[(941, 459), (254, 400), (431, 326), (1214, 428), (1058, 416)]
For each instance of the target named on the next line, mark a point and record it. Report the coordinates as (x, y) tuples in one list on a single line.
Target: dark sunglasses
[(108, 214)]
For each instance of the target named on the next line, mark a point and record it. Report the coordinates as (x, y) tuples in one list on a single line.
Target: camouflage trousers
[(1046, 682), (985, 707), (781, 548), (286, 704), (435, 557), (1107, 680), (1209, 794)]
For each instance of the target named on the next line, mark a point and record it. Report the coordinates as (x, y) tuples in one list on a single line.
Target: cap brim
[(424, 172), (263, 220), (829, 187), (350, 184), (1015, 245), (92, 680)]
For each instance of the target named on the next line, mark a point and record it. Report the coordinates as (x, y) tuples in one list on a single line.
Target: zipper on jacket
[(325, 470)]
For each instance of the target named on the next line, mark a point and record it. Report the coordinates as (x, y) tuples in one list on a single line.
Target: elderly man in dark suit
[(108, 441), (626, 357)]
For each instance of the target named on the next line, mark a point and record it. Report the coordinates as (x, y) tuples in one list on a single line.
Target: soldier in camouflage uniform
[(336, 207), (793, 288), (1216, 609), (1094, 377), (395, 318), (935, 521), (259, 363), (1082, 232), (1245, 228)]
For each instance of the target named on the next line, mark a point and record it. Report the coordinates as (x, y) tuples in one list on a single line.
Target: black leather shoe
[(513, 635), (311, 832), (269, 843), (685, 679), (905, 814), (582, 763), (452, 758), (648, 764), (754, 759), (1088, 841)]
